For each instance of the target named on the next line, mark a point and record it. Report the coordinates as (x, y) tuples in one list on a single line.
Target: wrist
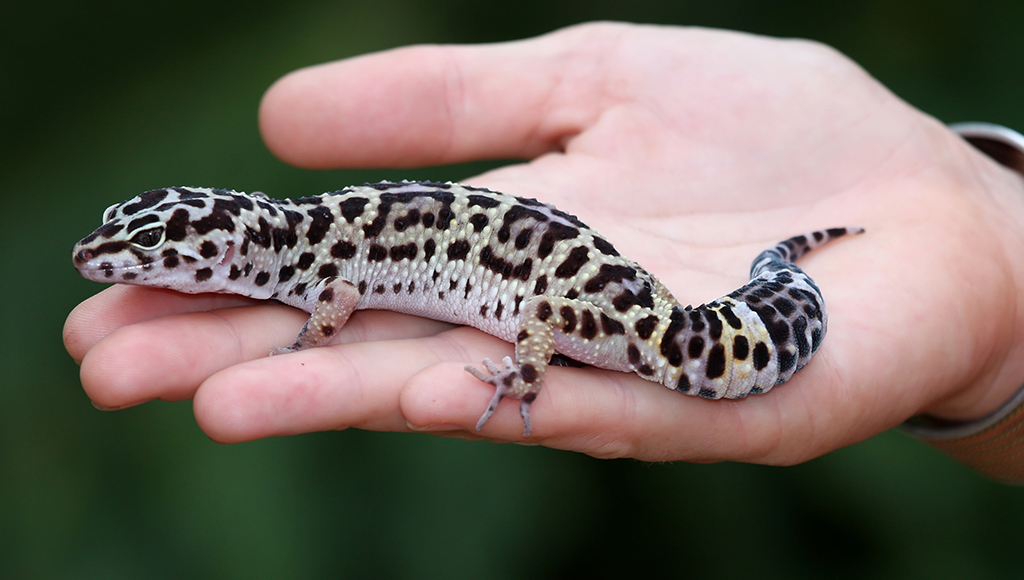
[(997, 154)]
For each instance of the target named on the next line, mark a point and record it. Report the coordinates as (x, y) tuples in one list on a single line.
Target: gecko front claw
[(507, 381)]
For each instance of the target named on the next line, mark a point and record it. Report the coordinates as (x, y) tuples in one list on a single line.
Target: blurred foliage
[(100, 100)]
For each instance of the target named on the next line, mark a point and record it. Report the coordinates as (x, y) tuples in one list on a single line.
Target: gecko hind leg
[(503, 380)]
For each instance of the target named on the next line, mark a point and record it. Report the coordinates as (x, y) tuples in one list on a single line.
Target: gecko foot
[(504, 380), (285, 349)]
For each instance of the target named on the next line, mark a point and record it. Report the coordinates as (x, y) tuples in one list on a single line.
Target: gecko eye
[(149, 239)]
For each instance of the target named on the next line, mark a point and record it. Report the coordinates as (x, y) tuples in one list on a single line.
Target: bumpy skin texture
[(516, 268)]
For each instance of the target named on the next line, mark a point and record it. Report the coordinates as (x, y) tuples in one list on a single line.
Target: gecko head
[(182, 238)]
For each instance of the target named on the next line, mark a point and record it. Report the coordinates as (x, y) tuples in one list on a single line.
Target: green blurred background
[(101, 100)]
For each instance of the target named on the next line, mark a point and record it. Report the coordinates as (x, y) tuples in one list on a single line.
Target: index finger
[(426, 105)]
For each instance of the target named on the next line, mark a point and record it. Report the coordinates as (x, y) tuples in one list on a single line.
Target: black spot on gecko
[(568, 319), (428, 249), (761, 358), (523, 335), (134, 224), (146, 200), (483, 201), (327, 271), (604, 247), (555, 232), (284, 237), (342, 250), (458, 250), (428, 219), (108, 248), (730, 317), (541, 285), (261, 237), (129, 276), (327, 329), (611, 326), (405, 252), (411, 288), (286, 273), (353, 207), (186, 193), (633, 353), (321, 224), (528, 201), (208, 249), (478, 221), (504, 268), (361, 287), (397, 287), (177, 225), (777, 327), (716, 361), (514, 214), (326, 296), (411, 218), (498, 310), (218, 219), (696, 347), (572, 264), (572, 294), (645, 326), (567, 217), (645, 369), (518, 300), (379, 289), (706, 393), (483, 310), (696, 320), (815, 339), (784, 305), (544, 310), (529, 373), (247, 269), (235, 273), (740, 347), (787, 361), (607, 274), (624, 301), (523, 238), (261, 279), (300, 289), (588, 329), (714, 323), (800, 334), (376, 253), (683, 386), (267, 207), (306, 260), (668, 346)]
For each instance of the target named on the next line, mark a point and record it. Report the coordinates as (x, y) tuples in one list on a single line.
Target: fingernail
[(100, 407), (433, 427)]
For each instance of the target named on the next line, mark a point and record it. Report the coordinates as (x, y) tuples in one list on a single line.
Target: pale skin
[(691, 150)]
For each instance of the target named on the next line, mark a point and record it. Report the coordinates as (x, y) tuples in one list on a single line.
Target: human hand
[(691, 150)]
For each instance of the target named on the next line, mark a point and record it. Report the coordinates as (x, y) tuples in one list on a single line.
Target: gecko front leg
[(334, 303)]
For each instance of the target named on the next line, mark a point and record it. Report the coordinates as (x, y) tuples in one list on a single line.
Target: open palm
[(690, 150)]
